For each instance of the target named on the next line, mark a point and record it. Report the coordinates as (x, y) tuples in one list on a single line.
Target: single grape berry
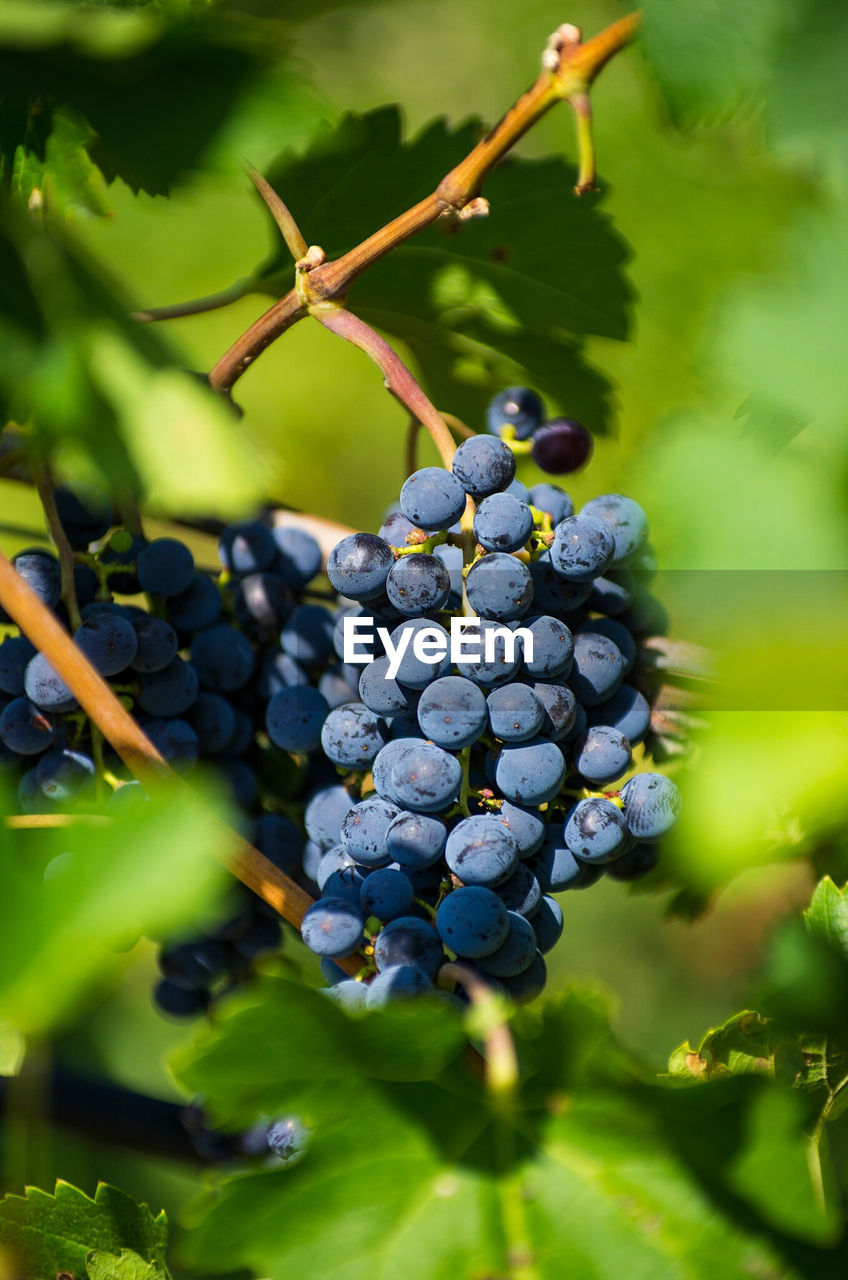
[(517, 408), (483, 466), (561, 446)]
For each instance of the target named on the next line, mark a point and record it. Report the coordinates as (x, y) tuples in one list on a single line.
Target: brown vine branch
[(569, 68), (398, 379), (136, 750)]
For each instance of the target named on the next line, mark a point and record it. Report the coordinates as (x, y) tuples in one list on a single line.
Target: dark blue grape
[(405, 726), (311, 859), (627, 710), (483, 465), (637, 862), (426, 781), (481, 851), (174, 739), (340, 685), (595, 830), (526, 826), (616, 631), (530, 773), (168, 692), (383, 696), (451, 558), (387, 894), (86, 584), (359, 565), (418, 584), (408, 940), (298, 558), (324, 814), (156, 644), (521, 892), (412, 671), (247, 546), (25, 728), (528, 985), (385, 761), (345, 883), (261, 604), (432, 499), (502, 522), (108, 641), (264, 935), (196, 608), (65, 775), (553, 647), (613, 593), (452, 712), (308, 634), (515, 713), (651, 805), (517, 408), (547, 924), (363, 832), (45, 688), (625, 520), (288, 1138), (213, 720), (84, 522), (349, 994), (15, 653), (165, 567), (223, 658), (416, 840), (506, 654), (194, 966), (598, 668), (40, 571), (553, 593), (562, 446), (399, 982), (499, 587), (515, 954), (279, 840), (279, 671), (560, 708), (334, 860), (294, 718), (551, 498), (582, 548), (352, 735), (242, 738), (395, 530), (178, 1002), (472, 922), (332, 927), (602, 755), (555, 866)]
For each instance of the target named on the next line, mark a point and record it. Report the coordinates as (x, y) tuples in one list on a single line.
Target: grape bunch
[(470, 792), (207, 667)]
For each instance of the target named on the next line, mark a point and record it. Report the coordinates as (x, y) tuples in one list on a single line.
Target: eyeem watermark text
[(431, 644)]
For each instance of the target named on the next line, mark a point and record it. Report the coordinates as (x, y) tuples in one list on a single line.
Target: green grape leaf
[(75, 898), (827, 914), (12, 1049), (91, 379), (53, 1234), (154, 91), (512, 294), (712, 57), (741, 1045), (589, 1171), (126, 1265)]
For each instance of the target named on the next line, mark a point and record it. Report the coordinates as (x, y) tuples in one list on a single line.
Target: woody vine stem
[(569, 68)]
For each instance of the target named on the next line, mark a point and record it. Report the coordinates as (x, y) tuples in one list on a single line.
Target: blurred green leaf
[(89, 377), (124, 1266), (76, 896), (589, 1173), (512, 294), (12, 1049), (827, 914), (712, 56), (51, 1234)]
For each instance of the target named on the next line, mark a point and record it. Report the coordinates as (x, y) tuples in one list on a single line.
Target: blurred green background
[(730, 430)]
